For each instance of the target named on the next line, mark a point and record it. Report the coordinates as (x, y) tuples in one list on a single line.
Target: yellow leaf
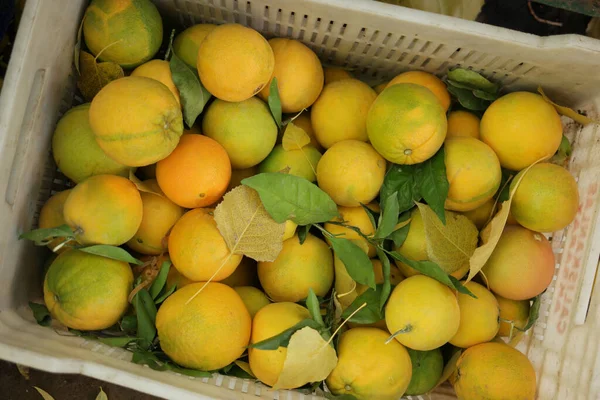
[(567, 112), (245, 367), (449, 369), (294, 138), (247, 227), (102, 395), (44, 394), (94, 76), (309, 359), (141, 186), (450, 246), (23, 370), (490, 235)]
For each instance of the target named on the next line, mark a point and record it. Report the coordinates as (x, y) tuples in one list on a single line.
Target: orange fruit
[(160, 71), (333, 74), (303, 121), (52, 216), (463, 123), (207, 172), (427, 80), (356, 217), (187, 43), (244, 275), (515, 311)]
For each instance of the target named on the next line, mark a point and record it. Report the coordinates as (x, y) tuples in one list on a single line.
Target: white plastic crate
[(379, 41)]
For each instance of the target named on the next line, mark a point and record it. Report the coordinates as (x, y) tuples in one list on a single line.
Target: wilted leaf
[(43, 393), (24, 371), (448, 369), (112, 252), (275, 102), (567, 112), (141, 186), (247, 227), (192, 93), (370, 313), (309, 359), (450, 246), (94, 76), (41, 314), (292, 197), (102, 395), (294, 138), (283, 339), (472, 80)]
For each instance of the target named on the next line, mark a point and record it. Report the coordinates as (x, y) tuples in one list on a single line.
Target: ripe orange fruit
[(463, 123), (158, 70), (427, 80), (52, 215), (187, 43)]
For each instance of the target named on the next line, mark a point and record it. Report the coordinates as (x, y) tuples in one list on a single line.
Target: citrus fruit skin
[(414, 246), (406, 124), (356, 217), (75, 150), (299, 75), (368, 368), (351, 172), (303, 121), (290, 229), (158, 217), (481, 215), (197, 248), (270, 321), (546, 200), (221, 54), (298, 268), (427, 368), (427, 310), (253, 298), (333, 74), (175, 278), (473, 172), (521, 128), (104, 209), (516, 311), (85, 291), (187, 43), (127, 32), (244, 275), (522, 264), (245, 129), (136, 120), (463, 123), (494, 371), (479, 321), (207, 172), (238, 175), (209, 332), (161, 71), (52, 216), (427, 80), (302, 162), (379, 88), (340, 112)]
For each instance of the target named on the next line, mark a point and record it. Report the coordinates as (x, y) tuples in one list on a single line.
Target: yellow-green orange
[(547, 198), (521, 128), (333, 74), (235, 62), (86, 291), (76, 151), (415, 244), (290, 229), (481, 215), (463, 123), (297, 268), (197, 248), (299, 75), (494, 371), (425, 311), (356, 217), (136, 120), (427, 80), (515, 311), (246, 130), (253, 298), (302, 162), (351, 172), (51, 214), (478, 317), (427, 368), (406, 124), (209, 332), (104, 209), (187, 43), (340, 112), (158, 70), (522, 264), (270, 321), (127, 32), (158, 217), (473, 172), (368, 368)]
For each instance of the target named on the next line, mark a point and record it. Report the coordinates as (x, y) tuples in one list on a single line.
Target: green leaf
[(146, 318), (563, 153), (118, 341), (373, 216), (292, 197), (480, 94), (389, 216), (400, 234), (387, 284), (275, 102), (149, 359), (283, 339), (312, 303), (401, 179), (41, 314), (504, 193), (534, 313), (302, 232), (369, 314), (42, 237), (112, 252), (467, 99), (235, 370), (460, 287), (160, 280), (357, 263), (193, 95), (472, 79), (128, 324), (166, 294), (434, 183)]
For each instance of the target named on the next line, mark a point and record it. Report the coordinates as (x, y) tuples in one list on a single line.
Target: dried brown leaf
[(94, 76)]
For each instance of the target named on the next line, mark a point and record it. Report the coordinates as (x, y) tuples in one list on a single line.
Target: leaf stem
[(406, 329), (210, 279), (344, 321), (170, 47)]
